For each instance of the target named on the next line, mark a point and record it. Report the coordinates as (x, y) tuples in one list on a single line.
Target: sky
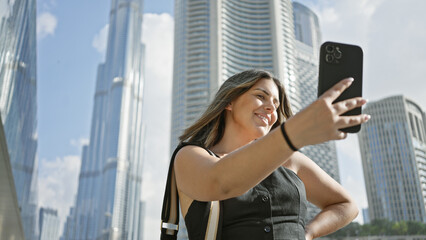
[(72, 42)]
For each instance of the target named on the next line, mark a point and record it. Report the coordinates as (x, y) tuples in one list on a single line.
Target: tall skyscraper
[(216, 39), (393, 151), (108, 204), (18, 103), (308, 41), (49, 224)]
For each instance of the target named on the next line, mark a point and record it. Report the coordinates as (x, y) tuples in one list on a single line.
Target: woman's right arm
[(203, 177)]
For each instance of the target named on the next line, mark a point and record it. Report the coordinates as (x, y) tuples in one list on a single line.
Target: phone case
[(339, 61)]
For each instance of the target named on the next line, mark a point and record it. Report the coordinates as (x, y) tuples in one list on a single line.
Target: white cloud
[(157, 35), (46, 25), (100, 40), (394, 61), (79, 143), (58, 181)]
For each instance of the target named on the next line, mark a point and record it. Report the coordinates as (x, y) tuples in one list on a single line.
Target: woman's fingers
[(334, 92), (350, 121), (349, 104)]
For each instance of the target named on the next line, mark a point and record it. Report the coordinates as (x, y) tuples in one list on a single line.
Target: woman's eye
[(261, 96)]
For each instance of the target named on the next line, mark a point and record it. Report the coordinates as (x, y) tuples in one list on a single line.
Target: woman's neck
[(230, 142)]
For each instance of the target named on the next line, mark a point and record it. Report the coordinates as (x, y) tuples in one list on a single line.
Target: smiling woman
[(239, 176)]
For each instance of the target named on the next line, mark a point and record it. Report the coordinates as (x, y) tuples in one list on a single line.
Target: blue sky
[(71, 44), (67, 65)]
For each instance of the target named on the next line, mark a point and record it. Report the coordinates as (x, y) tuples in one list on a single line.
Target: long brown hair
[(208, 130)]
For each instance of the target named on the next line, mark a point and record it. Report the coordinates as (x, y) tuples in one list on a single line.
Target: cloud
[(46, 25), (58, 181), (100, 40), (394, 60), (157, 35), (79, 143)]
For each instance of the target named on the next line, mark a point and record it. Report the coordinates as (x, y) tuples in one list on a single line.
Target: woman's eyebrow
[(263, 90), (266, 92)]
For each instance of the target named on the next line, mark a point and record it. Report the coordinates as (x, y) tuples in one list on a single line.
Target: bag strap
[(170, 211)]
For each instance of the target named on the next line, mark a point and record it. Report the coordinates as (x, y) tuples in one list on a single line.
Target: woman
[(254, 168)]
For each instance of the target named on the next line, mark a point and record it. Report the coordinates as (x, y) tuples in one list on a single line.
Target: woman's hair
[(208, 130)]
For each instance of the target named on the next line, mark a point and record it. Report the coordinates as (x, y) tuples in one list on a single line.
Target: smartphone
[(337, 62)]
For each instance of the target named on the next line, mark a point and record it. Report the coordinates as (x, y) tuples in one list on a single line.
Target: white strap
[(213, 222)]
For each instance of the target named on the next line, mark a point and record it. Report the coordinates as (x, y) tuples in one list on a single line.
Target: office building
[(393, 151), (308, 42), (216, 39), (18, 102), (49, 224), (108, 203)]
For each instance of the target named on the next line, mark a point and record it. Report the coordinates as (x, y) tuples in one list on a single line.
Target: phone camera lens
[(329, 48), (337, 54), (329, 58)]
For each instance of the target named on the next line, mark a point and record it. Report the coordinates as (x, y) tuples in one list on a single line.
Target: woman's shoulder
[(192, 151)]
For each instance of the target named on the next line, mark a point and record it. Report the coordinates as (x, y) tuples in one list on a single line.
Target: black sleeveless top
[(274, 209)]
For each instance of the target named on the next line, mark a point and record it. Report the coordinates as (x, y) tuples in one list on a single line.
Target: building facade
[(49, 224), (216, 39), (108, 203), (18, 102), (307, 45), (393, 151)]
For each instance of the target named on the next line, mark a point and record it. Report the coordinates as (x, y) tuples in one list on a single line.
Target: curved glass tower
[(393, 151), (108, 204), (18, 102), (216, 39)]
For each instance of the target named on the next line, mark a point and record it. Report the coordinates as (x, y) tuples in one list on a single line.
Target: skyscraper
[(393, 151), (216, 39), (308, 41), (49, 224), (18, 104), (108, 204)]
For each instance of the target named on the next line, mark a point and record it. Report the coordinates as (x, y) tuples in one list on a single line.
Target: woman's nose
[(270, 107)]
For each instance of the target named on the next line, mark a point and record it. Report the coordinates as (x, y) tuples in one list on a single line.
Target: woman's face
[(254, 112)]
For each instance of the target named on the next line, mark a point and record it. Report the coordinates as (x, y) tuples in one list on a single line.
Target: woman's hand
[(321, 121), (308, 236)]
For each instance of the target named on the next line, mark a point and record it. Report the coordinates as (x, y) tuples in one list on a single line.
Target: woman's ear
[(229, 106)]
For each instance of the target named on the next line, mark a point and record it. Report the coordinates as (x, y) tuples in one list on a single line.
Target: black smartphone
[(337, 62)]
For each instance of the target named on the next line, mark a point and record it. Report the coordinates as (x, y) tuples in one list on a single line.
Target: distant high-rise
[(393, 151), (308, 41), (49, 224), (18, 102), (108, 204)]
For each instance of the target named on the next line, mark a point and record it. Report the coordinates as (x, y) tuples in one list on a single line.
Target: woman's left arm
[(337, 207)]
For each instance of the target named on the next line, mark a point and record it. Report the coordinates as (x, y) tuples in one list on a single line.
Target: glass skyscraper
[(18, 104), (49, 224), (308, 41), (216, 39), (393, 151), (108, 203)]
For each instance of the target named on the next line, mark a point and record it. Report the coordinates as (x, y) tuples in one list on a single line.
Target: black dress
[(273, 209)]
